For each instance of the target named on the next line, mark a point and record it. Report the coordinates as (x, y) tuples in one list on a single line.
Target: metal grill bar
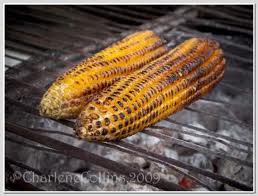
[(44, 16), (112, 14), (240, 90), (242, 10), (70, 33), (151, 10), (211, 138), (196, 147), (224, 103), (129, 12), (219, 117), (210, 23), (20, 47), (209, 132), (225, 15), (40, 148)]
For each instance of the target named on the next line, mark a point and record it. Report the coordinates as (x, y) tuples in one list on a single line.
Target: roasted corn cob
[(71, 91), (154, 92)]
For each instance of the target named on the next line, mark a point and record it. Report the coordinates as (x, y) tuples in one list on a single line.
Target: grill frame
[(189, 13)]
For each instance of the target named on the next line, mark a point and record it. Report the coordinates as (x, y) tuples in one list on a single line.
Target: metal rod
[(239, 58), (107, 13), (206, 136), (217, 116), (224, 15), (21, 47), (242, 9), (210, 23), (123, 9), (43, 14), (245, 91), (14, 57), (198, 148), (209, 132), (49, 150), (232, 11), (216, 101)]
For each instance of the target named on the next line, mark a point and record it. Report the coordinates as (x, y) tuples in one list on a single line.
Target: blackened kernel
[(115, 117), (124, 132), (115, 108), (90, 128), (98, 102), (120, 126), (122, 116), (131, 120), (120, 103), (91, 108), (126, 122), (129, 111), (106, 102), (104, 131), (107, 121), (113, 130), (109, 98), (129, 97), (98, 124), (97, 133), (124, 99)]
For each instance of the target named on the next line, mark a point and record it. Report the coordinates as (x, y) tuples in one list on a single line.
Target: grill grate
[(45, 41)]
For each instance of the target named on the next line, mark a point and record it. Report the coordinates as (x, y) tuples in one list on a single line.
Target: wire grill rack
[(43, 41)]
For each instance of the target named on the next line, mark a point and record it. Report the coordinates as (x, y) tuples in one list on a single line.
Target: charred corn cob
[(154, 92), (71, 91)]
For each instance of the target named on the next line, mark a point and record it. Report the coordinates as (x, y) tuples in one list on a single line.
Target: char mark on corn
[(72, 90), (154, 92)]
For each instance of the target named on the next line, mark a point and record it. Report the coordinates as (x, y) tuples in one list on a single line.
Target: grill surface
[(44, 41)]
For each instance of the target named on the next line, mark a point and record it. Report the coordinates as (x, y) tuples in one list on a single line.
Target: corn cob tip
[(48, 107)]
